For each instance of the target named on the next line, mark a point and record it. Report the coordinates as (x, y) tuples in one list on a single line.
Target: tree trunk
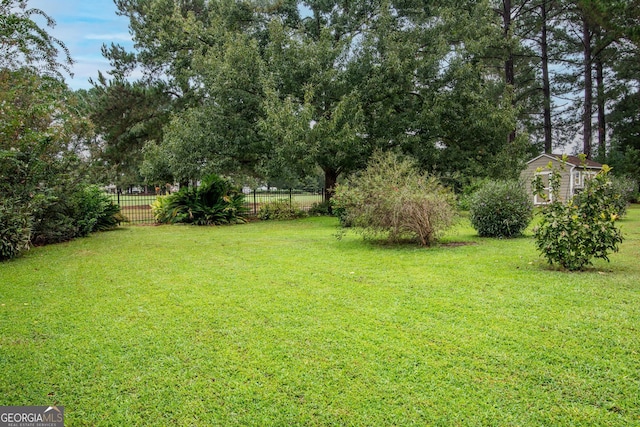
[(509, 73), (546, 86), (330, 180), (588, 88), (602, 134)]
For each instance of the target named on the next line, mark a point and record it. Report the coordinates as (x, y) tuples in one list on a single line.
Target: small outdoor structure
[(574, 174)]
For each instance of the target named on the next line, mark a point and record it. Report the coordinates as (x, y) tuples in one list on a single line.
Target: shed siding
[(542, 162)]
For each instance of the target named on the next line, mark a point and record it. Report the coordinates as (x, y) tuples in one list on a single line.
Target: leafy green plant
[(280, 210), (464, 197), (572, 234), (321, 209), (60, 215), (215, 202), (96, 211), (622, 191), (15, 229), (54, 217), (500, 209), (393, 198)]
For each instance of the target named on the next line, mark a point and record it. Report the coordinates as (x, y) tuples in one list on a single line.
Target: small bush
[(15, 229), (215, 202), (321, 209), (500, 209), (280, 210), (572, 234), (393, 199)]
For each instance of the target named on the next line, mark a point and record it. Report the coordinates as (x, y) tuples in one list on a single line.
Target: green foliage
[(619, 192), (391, 197), (623, 191), (61, 215), (321, 209), (280, 210), (25, 43), (96, 211), (127, 116), (570, 233), (54, 218), (464, 198), (215, 202), (501, 209), (15, 229)]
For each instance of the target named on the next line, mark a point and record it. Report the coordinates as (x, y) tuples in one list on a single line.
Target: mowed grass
[(281, 324)]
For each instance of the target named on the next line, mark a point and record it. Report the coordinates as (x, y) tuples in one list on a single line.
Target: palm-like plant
[(215, 202)]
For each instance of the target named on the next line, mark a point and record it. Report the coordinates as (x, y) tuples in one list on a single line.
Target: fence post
[(290, 198), (255, 209)]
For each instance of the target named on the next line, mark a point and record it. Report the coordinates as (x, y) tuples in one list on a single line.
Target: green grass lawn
[(280, 323)]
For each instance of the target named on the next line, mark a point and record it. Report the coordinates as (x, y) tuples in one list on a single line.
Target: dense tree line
[(283, 90)]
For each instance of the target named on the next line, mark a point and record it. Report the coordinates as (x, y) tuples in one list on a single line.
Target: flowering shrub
[(500, 209), (571, 234)]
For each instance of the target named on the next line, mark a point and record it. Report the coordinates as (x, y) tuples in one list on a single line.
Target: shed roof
[(572, 160), (576, 161)]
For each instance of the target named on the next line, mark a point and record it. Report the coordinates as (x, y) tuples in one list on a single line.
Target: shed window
[(580, 178)]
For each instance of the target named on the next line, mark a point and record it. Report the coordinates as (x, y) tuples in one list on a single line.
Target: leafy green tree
[(23, 43), (43, 139), (220, 133), (126, 116)]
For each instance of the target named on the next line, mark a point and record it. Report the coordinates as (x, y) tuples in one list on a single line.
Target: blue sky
[(83, 26)]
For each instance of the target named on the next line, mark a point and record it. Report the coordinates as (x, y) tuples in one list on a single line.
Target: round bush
[(501, 209)]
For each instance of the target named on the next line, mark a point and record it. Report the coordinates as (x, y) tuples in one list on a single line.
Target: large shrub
[(392, 198), (572, 234), (500, 209), (15, 229), (61, 215), (215, 202)]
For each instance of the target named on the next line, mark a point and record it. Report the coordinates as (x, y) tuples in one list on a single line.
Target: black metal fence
[(136, 207)]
